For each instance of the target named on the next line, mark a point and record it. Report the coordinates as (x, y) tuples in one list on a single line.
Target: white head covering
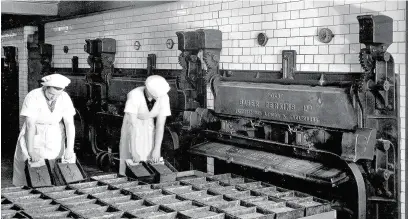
[(157, 85), (55, 80)]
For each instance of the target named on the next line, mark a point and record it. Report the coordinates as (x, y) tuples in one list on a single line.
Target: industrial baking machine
[(330, 134)]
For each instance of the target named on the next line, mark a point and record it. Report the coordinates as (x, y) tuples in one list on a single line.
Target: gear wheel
[(182, 59), (366, 60), (211, 60)]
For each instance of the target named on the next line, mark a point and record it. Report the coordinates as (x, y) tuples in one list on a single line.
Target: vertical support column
[(199, 61)]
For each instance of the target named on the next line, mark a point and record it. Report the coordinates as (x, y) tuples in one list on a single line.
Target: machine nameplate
[(320, 106)]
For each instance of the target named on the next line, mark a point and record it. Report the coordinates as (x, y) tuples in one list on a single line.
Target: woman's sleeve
[(131, 104), (165, 106), (30, 106), (69, 109)]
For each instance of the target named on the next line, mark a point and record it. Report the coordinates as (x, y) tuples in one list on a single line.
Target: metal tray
[(202, 212), (190, 174)]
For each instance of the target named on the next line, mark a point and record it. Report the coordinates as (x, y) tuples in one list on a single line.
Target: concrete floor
[(7, 170)]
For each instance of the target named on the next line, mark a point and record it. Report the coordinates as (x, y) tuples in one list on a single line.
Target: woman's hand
[(156, 156), (135, 158), (68, 154), (34, 157)]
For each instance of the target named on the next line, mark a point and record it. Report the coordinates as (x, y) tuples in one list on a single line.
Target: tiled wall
[(290, 24), (18, 38)]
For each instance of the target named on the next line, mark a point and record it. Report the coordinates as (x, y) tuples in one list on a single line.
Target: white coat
[(143, 131), (49, 139)]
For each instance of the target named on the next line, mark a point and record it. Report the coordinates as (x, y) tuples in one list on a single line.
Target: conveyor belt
[(270, 162)]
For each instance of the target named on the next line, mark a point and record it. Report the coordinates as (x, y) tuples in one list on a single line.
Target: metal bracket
[(288, 63)]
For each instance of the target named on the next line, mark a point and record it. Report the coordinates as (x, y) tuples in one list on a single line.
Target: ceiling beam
[(30, 8)]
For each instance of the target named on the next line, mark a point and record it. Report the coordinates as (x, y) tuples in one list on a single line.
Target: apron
[(49, 141), (143, 134)]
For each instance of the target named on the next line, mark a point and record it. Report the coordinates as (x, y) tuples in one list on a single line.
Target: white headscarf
[(55, 80), (157, 85)]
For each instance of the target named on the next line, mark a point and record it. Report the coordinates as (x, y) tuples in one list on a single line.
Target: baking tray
[(251, 212), (107, 176), (179, 189), (66, 173), (39, 176), (230, 179), (190, 174), (14, 189), (84, 185), (78, 200), (207, 185), (281, 210), (128, 184), (196, 181), (12, 214), (202, 212), (25, 198), (164, 199), (108, 194), (141, 172), (35, 203), (53, 189), (153, 212), (311, 206), (148, 193), (163, 172), (222, 190), (16, 194), (182, 206), (164, 185), (254, 185), (96, 189), (244, 195)]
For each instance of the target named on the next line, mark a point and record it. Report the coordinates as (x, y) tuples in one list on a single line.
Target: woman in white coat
[(42, 135), (141, 138)]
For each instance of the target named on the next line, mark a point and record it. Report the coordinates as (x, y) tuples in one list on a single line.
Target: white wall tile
[(308, 13), (294, 14), (323, 21), (355, 8), (281, 16), (322, 3), (256, 18), (309, 50), (397, 15), (282, 41), (269, 8), (309, 31), (281, 33), (294, 23), (294, 32), (298, 5), (339, 10), (308, 22), (309, 67), (309, 40), (324, 59), (309, 58), (323, 12), (373, 6), (281, 24), (339, 67), (402, 5), (282, 7)]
